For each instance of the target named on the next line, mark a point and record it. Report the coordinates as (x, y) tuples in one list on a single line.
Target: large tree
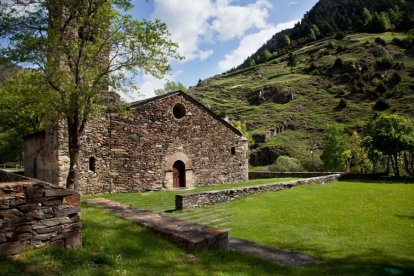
[(393, 136), (82, 48), (335, 153)]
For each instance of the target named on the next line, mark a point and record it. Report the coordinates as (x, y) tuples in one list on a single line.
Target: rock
[(74, 240)]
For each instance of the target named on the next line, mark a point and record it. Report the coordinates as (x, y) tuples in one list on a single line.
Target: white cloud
[(293, 3), (186, 21), (203, 55), (233, 21), (250, 43), (192, 24)]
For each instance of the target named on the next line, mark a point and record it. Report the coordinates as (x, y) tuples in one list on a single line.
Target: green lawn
[(165, 200), (117, 247), (368, 223), (353, 228)]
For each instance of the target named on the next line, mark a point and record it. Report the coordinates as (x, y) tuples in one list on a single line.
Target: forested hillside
[(330, 17)]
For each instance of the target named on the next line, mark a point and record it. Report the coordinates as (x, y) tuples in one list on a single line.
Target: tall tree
[(82, 47), (392, 135), (170, 86), (335, 153)]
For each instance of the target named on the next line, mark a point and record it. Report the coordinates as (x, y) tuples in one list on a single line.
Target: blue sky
[(215, 35)]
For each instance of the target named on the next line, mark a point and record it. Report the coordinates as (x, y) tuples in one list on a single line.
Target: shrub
[(385, 63), (286, 164), (342, 104), (338, 63), (381, 88), (394, 80), (381, 105), (380, 41), (339, 35)]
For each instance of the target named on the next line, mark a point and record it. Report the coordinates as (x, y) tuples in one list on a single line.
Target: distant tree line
[(388, 144)]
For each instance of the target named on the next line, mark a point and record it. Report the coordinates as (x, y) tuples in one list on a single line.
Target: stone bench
[(189, 235)]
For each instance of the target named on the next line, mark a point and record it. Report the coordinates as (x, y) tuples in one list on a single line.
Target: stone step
[(189, 235)]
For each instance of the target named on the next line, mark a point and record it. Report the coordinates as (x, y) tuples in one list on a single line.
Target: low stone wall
[(201, 199), (261, 175), (34, 213)]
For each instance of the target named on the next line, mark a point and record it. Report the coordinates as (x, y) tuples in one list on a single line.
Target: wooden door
[(179, 174), (176, 178)]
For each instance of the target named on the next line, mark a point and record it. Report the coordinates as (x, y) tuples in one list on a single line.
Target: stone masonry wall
[(261, 175), (137, 152), (34, 213), (145, 146), (201, 199)]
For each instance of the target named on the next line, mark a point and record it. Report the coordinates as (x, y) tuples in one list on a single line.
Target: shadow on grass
[(114, 246)]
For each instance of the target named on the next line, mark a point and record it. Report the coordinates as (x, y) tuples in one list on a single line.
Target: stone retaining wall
[(34, 213), (261, 175), (201, 199)]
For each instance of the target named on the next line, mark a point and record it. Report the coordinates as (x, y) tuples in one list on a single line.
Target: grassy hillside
[(349, 81)]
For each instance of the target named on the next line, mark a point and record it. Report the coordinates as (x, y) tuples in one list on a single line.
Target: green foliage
[(392, 135), (170, 86), (286, 164), (80, 52), (266, 55), (26, 106), (285, 41), (359, 162), (335, 153), (381, 105), (241, 126), (291, 61)]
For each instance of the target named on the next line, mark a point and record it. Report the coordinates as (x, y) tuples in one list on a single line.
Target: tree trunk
[(72, 182), (394, 159)]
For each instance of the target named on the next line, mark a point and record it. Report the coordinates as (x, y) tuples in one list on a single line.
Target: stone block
[(10, 214), (73, 200), (27, 207), (42, 213), (73, 240), (57, 244), (58, 192), (48, 229), (51, 222), (12, 248), (65, 210), (35, 191)]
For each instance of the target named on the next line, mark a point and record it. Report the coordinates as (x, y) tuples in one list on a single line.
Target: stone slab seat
[(189, 235)]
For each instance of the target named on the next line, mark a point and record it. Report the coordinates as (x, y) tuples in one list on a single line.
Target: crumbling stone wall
[(34, 213)]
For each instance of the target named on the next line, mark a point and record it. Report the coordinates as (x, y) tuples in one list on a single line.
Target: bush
[(394, 80), (381, 88), (339, 35), (380, 41), (286, 164), (341, 105), (385, 63), (381, 105), (338, 63)]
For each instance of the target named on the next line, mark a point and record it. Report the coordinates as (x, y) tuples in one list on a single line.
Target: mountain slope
[(349, 81)]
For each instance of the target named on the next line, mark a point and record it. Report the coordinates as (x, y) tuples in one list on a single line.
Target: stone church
[(170, 141)]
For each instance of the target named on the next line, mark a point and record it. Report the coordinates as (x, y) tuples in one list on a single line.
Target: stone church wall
[(136, 152)]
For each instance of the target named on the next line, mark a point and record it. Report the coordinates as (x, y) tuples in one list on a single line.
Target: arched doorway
[(178, 174)]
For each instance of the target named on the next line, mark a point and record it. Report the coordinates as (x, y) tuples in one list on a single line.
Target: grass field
[(353, 228), (165, 200)]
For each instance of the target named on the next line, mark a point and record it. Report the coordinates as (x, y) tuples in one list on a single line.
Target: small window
[(92, 162), (233, 151), (179, 111)]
